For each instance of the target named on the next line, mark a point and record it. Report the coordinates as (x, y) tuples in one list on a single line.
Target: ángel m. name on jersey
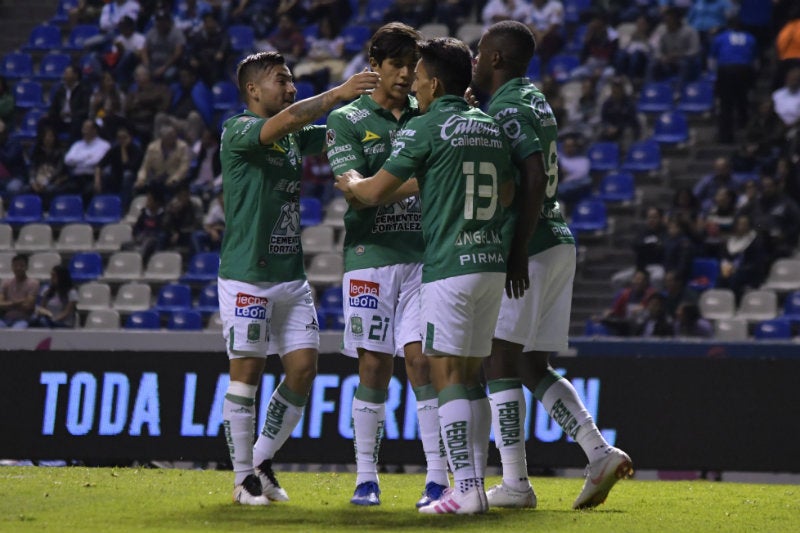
[(364, 293), (462, 131), (250, 306)]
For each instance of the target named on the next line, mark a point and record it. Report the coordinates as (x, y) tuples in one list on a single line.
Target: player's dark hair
[(450, 60), (516, 42), (254, 64), (394, 39)]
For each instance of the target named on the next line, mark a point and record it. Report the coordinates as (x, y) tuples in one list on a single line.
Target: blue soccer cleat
[(366, 493), (433, 491)]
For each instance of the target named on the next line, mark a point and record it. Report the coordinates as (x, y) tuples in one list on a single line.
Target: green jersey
[(360, 138), (530, 127), (261, 187), (460, 157)]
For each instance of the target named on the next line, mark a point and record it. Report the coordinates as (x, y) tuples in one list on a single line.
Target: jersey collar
[(509, 86), (448, 99), (366, 101)]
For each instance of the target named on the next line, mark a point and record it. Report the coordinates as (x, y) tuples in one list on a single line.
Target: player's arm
[(305, 111), (375, 190)]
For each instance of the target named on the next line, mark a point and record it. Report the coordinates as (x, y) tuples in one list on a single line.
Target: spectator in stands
[(585, 116), (574, 182), (689, 322), (113, 13), (708, 17), (48, 176), (107, 106), (748, 196), (649, 243), (166, 162), (209, 239), (599, 47), (756, 19), (634, 52), (546, 21), (13, 168), (777, 216), (705, 189), (677, 52), (258, 14), (144, 101), (653, 321), (454, 13), (787, 46), (86, 12), (765, 132), (116, 172), (745, 261), (341, 10), (82, 158), (206, 169), (324, 60), (628, 303), (287, 39), (69, 106), (7, 102), (733, 52), (163, 47), (58, 300), (209, 50), (718, 219), (191, 109), (685, 206), (618, 114), (679, 248), (18, 295), (317, 178), (180, 221), (787, 98), (189, 18), (676, 292), (296, 9), (148, 231), (127, 51), (498, 10)]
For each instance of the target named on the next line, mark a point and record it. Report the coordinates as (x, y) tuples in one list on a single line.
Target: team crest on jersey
[(330, 137), (360, 250), (285, 237), (364, 293), (356, 326), (369, 136)]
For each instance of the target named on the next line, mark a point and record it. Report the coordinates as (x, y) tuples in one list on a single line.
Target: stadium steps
[(18, 18)]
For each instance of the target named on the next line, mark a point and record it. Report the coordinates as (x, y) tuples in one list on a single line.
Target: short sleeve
[(311, 139)]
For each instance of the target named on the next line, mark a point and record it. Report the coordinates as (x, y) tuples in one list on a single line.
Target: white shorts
[(381, 308), (540, 319), (459, 313), (267, 318)]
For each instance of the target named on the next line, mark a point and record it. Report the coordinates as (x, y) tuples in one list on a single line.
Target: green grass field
[(130, 499)]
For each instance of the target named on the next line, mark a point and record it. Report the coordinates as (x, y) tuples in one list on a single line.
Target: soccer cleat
[(433, 491), (504, 496), (454, 502), (601, 475), (272, 489), (249, 492), (367, 493)]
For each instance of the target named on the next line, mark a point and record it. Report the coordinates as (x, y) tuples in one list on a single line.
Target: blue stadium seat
[(603, 156), (44, 37), (173, 297), (203, 267), (65, 208), (208, 301), (86, 266), (671, 127), (655, 98), (310, 211), (617, 187), (331, 299), (185, 320), (242, 38), (575, 42), (309, 31), (354, 38), (561, 67), (143, 320), (589, 216), (16, 65), (225, 95), (24, 209), (704, 273), (30, 124), (305, 89), (643, 156), (375, 11), (775, 329), (574, 8), (79, 34), (62, 11), (791, 307), (593, 329), (534, 71), (697, 97), (52, 66), (104, 209), (28, 94)]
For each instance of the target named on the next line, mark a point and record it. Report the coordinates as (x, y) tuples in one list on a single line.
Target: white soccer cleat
[(504, 496), (601, 475), (249, 492), (269, 483), (454, 502)]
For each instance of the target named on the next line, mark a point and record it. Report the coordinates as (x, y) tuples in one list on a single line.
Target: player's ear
[(373, 64)]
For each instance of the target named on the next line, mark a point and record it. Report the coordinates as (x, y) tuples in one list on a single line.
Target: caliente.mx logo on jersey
[(364, 293)]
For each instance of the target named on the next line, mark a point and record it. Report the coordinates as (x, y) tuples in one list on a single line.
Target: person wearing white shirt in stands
[(787, 99), (114, 11), (82, 158)]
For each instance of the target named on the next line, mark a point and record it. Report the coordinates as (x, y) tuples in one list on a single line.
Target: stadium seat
[(5, 265), (317, 239), (603, 156), (40, 264), (173, 297), (791, 307), (185, 320), (225, 95), (164, 266), (595, 329), (331, 320), (65, 209), (561, 67), (94, 295), (310, 211), (325, 269), (76, 237), (16, 65), (643, 156), (62, 11), (589, 216), (104, 209), (305, 89), (534, 71), (24, 209), (573, 9), (334, 212), (730, 329), (716, 304), (671, 127), (374, 12), (704, 273), (758, 305), (6, 238), (34, 237), (102, 319), (354, 38), (30, 123), (78, 35), (331, 299), (123, 266), (112, 236), (214, 322), (28, 94), (132, 297), (655, 98), (208, 300), (143, 320), (784, 275), (470, 33), (242, 38), (86, 266), (203, 267), (574, 43), (44, 37), (617, 187), (696, 97), (775, 329), (52, 66), (432, 30)]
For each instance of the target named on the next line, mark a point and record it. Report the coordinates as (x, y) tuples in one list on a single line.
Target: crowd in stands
[(137, 112)]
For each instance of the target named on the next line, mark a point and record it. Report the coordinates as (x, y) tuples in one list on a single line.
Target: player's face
[(397, 76), (423, 86), (481, 66), (273, 90)]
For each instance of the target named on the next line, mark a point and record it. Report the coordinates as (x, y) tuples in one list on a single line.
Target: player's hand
[(344, 180), (469, 96), (517, 280), (362, 83)]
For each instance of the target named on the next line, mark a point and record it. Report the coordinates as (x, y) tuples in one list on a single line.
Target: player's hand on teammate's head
[(469, 96), (362, 83)]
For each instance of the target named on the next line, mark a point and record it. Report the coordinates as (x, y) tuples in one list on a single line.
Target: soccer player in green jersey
[(264, 298), (531, 327), (463, 166)]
